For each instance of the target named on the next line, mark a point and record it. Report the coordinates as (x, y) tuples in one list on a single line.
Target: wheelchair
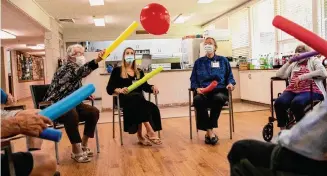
[(268, 129)]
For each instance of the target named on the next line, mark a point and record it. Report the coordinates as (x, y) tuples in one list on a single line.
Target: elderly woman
[(66, 80), (297, 95), (137, 110), (207, 69)]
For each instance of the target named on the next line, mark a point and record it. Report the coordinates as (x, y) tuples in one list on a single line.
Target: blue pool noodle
[(61, 107)]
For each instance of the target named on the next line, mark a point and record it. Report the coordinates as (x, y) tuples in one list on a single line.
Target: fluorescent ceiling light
[(36, 47), (182, 19), (204, 1), (96, 2), (6, 35), (99, 22)]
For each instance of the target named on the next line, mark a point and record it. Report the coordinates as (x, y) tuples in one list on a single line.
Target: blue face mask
[(129, 59)]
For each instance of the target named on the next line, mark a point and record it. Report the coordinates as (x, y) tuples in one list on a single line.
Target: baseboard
[(255, 103), (172, 105)]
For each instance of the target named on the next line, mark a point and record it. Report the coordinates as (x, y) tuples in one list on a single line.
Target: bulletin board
[(29, 68)]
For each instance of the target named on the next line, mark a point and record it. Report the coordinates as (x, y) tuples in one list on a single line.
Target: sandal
[(88, 151), (154, 140), (143, 141), (80, 157)]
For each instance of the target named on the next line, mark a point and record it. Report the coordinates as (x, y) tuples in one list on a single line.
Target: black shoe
[(214, 140), (207, 139), (57, 173)]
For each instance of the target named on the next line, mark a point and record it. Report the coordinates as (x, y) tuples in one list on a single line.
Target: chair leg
[(8, 151), (113, 122), (120, 127), (57, 152), (230, 115), (97, 139)]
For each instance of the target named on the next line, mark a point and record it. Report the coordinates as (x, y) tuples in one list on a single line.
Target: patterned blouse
[(304, 85), (67, 79)]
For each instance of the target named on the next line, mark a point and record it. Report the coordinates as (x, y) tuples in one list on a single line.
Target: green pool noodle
[(144, 79)]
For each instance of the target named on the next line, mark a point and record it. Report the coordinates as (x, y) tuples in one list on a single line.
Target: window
[(239, 27), (298, 11), (263, 33)]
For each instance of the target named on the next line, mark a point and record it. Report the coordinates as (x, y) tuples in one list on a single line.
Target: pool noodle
[(61, 107), (144, 79), (123, 36), (210, 87), (302, 34), (304, 55)]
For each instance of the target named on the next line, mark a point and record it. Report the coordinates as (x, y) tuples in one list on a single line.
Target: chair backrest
[(38, 92)]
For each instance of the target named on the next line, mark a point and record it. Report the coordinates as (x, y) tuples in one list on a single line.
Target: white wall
[(107, 34)]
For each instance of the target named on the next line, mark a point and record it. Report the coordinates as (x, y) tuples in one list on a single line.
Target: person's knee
[(280, 103), (198, 100), (219, 98), (237, 148), (44, 164), (96, 114), (298, 105)]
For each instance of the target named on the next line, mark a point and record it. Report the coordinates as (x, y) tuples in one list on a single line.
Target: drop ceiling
[(120, 13)]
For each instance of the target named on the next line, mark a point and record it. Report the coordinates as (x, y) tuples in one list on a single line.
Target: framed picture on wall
[(29, 68)]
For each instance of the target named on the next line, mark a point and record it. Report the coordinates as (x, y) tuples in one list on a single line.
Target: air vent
[(141, 32), (67, 20)]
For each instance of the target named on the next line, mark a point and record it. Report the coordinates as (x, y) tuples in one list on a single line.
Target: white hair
[(71, 49)]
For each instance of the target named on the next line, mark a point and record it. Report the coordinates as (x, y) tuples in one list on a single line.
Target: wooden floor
[(177, 156)]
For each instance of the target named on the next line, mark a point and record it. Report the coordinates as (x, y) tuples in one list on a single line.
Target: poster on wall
[(29, 68)]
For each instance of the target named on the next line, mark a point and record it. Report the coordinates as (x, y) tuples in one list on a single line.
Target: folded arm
[(320, 71)]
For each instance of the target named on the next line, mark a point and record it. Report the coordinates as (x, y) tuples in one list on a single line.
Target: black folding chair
[(38, 92), (118, 110), (6, 143), (229, 105)]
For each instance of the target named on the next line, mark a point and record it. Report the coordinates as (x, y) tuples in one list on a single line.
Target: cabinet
[(255, 85)]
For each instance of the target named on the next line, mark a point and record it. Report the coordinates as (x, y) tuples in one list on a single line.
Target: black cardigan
[(116, 81)]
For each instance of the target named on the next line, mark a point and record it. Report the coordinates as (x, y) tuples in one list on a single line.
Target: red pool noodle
[(302, 34), (209, 88)]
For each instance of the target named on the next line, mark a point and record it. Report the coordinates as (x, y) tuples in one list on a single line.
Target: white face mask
[(129, 59), (80, 60), (209, 49)]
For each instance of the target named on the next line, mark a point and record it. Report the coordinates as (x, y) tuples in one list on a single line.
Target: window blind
[(298, 11), (263, 33), (239, 27)]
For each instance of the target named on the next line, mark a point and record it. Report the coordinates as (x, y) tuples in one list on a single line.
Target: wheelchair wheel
[(268, 132)]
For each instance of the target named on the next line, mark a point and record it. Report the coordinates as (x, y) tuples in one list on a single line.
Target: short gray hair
[(71, 49)]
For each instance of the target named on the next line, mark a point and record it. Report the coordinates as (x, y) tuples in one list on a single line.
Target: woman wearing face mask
[(137, 111), (206, 69), (297, 95), (66, 80)]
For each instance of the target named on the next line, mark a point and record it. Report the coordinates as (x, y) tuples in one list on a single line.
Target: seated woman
[(136, 109), (66, 80), (207, 69), (297, 95)]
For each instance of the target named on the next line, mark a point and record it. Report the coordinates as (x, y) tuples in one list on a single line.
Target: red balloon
[(155, 19)]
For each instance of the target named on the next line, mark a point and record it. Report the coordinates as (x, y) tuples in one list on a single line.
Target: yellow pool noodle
[(123, 36), (144, 79)]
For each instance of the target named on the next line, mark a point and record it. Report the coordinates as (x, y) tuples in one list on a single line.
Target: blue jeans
[(296, 102)]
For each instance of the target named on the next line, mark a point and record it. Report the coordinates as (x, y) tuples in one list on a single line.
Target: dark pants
[(138, 110), (23, 164), (215, 101), (71, 119), (260, 155), (296, 102)]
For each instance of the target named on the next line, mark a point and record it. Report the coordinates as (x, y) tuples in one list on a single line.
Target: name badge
[(215, 65)]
